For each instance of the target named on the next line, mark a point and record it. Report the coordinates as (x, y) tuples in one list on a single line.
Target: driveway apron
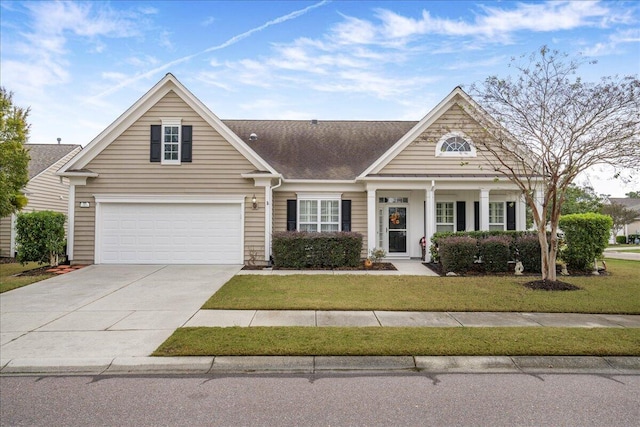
[(104, 311)]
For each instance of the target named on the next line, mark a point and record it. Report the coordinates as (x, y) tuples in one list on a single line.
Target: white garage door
[(169, 233)]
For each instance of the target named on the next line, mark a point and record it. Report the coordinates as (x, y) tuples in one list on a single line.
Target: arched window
[(455, 144)]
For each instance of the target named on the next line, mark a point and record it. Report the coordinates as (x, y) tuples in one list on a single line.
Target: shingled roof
[(45, 155), (336, 150)]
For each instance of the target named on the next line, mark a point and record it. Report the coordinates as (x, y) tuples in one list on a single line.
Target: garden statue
[(519, 268)]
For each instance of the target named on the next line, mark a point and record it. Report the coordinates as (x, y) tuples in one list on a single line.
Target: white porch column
[(484, 210), (71, 221), (521, 213), (268, 223), (372, 237), (430, 217)]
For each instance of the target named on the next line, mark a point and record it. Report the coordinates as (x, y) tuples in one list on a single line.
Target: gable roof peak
[(167, 84)]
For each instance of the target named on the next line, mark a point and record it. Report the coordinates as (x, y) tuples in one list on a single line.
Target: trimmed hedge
[(529, 252), (294, 249), (586, 235), (457, 253), (495, 253), (621, 240), (513, 246), (40, 237)]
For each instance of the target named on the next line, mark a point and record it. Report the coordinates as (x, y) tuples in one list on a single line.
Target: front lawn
[(9, 280), (618, 292), (386, 341)]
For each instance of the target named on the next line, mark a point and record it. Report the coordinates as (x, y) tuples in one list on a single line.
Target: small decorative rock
[(451, 273), (519, 268)]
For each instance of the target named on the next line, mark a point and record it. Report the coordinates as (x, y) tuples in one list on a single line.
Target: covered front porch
[(400, 214)]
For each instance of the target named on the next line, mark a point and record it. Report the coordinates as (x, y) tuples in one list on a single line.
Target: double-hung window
[(496, 216), (318, 214), (171, 141), (445, 220)]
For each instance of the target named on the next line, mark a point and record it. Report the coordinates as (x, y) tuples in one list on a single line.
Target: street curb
[(208, 365)]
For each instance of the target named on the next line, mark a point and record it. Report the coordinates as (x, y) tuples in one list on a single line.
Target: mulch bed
[(378, 266), (546, 285), (61, 269)]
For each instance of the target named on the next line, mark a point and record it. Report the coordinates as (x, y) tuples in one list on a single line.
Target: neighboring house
[(169, 182), (633, 204), (45, 190)]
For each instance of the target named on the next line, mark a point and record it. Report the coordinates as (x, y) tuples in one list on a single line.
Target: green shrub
[(480, 235), (529, 253), (586, 236), (495, 253), (293, 249), (40, 237), (621, 240), (457, 253)]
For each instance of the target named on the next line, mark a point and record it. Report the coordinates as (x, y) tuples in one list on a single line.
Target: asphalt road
[(408, 399)]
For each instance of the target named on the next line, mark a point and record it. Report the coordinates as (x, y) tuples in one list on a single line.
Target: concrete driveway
[(104, 311)]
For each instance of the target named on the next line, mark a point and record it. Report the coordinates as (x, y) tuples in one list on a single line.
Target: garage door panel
[(170, 233)]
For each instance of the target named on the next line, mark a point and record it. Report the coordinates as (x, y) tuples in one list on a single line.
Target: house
[(633, 204), (170, 182), (45, 190)]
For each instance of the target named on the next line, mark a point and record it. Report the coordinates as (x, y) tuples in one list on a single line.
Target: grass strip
[(8, 280), (405, 341), (616, 293)]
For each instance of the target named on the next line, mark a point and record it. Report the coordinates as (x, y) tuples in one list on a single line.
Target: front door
[(396, 230)]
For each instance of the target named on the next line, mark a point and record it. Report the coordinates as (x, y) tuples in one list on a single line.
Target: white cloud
[(614, 43), (208, 21), (498, 24), (40, 58)]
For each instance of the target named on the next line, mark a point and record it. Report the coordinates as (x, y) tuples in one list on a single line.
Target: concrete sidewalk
[(104, 320), (252, 318)]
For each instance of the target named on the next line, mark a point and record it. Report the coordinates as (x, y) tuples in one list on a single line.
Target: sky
[(79, 65)]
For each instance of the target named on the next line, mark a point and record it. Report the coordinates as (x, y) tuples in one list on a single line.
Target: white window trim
[(319, 197), (165, 123), (503, 224), (441, 141), (452, 224)]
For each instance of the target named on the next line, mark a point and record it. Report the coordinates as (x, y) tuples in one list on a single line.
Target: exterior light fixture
[(254, 202)]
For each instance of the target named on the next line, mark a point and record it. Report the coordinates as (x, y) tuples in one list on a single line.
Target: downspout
[(269, 219)]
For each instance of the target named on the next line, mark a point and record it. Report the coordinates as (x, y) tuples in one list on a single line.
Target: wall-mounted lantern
[(254, 202)]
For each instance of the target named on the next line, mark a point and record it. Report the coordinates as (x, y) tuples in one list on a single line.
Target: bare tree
[(621, 216), (546, 125)]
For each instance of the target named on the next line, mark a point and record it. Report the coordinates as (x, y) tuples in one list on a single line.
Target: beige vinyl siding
[(5, 237), (358, 213), (45, 192), (124, 168), (419, 156)]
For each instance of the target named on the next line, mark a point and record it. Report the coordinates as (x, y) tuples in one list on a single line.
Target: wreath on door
[(394, 218)]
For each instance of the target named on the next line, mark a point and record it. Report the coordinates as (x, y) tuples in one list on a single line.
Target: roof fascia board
[(140, 107), (221, 128), (427, 121), (48, 168), (410, 136)]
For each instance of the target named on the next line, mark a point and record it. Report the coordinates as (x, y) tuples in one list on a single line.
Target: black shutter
[(292, 214), (346, 215), (461, 220), (476, 215), (156, 144), (185, 149), (511, 215)]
